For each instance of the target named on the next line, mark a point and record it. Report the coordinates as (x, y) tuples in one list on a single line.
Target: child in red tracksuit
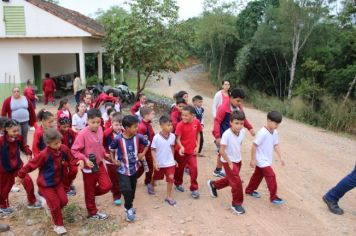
[(89, 150), (145, 128), (177, 112), (230, 151), (109, 136), (11, 144), (48, 87), (30, 94), (64, 111), (46, 119), (68, 138), (188, 138), (51, 162), (222, 122), (142, 100), (265, 143)]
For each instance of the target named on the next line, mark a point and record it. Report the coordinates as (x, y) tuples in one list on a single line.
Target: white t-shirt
[(265, 142), (78, 122), (163, 147), (232, 143)]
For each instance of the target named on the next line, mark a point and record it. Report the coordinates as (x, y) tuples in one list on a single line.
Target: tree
[(148, 38)]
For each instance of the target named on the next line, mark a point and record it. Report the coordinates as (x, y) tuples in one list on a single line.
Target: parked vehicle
[(64, 84)]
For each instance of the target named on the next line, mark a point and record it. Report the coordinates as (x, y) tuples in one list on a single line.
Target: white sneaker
[(15, 189), (59, 229), (43, 203)]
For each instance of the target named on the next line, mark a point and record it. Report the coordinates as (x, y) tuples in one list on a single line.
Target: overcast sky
[(187, 8)]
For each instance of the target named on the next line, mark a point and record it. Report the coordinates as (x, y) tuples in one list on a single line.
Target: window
[(14, 17)]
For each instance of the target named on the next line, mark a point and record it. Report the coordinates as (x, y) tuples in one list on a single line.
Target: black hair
[(164, 119), (10, 123), (145, 111), (180, 100), (124, 83), (274, 116), (94, 113), (28, 82), (181, 94), (139, 96), (109, 104), (237, 115), (109, 91), (51, 135), (224, 80), (190, 109), (47, 75), (62, 103), (197, 98), (64, 121), (75, 75), (78, 105), (129, 120), (116, 117), (3, 121), (43, 114), (237, 93), (109, 111)]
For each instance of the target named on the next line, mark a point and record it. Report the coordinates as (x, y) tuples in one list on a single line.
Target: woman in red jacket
[(48, 87), (20, 109)]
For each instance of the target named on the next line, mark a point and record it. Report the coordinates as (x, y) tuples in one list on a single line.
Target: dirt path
[(316, 160)]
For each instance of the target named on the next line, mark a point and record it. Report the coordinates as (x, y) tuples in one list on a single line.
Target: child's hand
[(80, 164), (89, 163), (116, 162), (217, 141), (196, 150), (253, 163), (141, 156), (252, 132), (181, 151), (155, 166)]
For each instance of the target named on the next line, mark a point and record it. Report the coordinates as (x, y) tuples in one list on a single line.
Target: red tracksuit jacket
[(38, 143), (48, 85), (135, 107), (6, 110), (103, 97), (60, 114), (51, 164), (29, 93), (222, 120), (68, 138), (145, 128), (10, 159), (176, 118)]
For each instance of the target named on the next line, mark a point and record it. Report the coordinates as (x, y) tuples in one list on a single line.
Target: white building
[(38, 37)]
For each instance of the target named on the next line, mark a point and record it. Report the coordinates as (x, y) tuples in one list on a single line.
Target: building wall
[(26, 67), (40, 23), (58, 64)]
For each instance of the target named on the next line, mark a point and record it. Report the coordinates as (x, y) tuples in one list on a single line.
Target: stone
[(39, 232), (31, 222), (156, 207), (4, 228), (182, 222)]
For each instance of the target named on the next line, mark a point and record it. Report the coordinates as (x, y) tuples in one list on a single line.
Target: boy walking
[(230, 151), (162, 149), (261, 158), (188, 137), (48, 87), (88, 148), (199, 114), (127, 158)]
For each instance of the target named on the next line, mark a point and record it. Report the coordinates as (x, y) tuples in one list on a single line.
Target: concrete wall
[(40, 23), (58, 64), (26, 67)]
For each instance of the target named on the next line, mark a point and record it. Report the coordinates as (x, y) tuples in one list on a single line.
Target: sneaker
[(219, 173), (212, 189), (254, 194), (36, 205), (150, 190), (130, 215), (333, 206), (179, 188), (15, 189), (99, 216), (6, 211), (117, 202), (277, 201), (71, 193), (195, 194), (59, 230), (171, 202), (43, 203), (238, 209)]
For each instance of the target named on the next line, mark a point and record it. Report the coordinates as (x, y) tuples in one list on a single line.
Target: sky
[(187, 8)]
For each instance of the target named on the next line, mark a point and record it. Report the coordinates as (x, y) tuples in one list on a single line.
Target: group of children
[(113, 151)]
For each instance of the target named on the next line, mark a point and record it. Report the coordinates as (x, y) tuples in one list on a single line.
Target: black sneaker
[(212, 189), (238, 209), (333, 206)]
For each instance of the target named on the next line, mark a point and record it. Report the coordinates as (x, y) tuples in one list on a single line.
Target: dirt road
[(315, 161)]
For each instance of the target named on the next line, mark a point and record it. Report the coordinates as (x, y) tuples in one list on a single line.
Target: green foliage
[(92, 80)]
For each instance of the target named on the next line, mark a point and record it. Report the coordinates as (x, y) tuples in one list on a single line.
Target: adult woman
[(221, 96), (19, 108), (77, 87)]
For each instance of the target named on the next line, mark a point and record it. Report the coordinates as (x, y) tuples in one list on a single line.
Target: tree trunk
[(144, 83), (220, 65), (138, 87), (349, 91), (295, 44)]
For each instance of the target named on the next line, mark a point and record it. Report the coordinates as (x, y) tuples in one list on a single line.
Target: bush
[(92, 80)]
